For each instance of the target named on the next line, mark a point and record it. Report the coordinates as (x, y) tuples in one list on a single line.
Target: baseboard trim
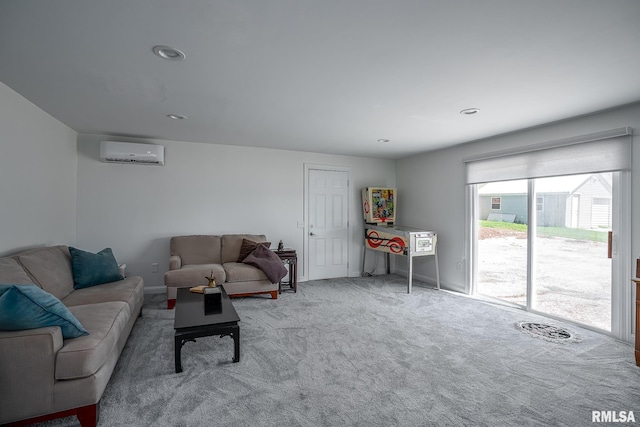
[(428, 280)]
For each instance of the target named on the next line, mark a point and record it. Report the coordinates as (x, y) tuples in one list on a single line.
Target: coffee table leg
[(177, 345), (236, 344)]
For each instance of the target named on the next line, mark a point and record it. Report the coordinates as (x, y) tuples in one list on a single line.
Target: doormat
[(548, 332)]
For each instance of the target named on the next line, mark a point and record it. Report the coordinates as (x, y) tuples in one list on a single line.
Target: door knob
[(312, 234)]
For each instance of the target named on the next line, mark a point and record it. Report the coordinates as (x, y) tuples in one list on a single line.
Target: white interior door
[(328, 230)]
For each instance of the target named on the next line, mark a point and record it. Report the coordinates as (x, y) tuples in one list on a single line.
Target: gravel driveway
[(573, 276)]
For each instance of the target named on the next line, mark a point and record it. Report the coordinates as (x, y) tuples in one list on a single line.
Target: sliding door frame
[(621, 289)]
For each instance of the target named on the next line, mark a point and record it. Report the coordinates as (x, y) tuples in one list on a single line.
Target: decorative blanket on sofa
[(267, 261)]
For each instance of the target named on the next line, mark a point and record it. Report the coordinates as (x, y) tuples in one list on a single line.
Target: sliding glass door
[(549, 228), (572, 259), (502, 240), (563, 267)]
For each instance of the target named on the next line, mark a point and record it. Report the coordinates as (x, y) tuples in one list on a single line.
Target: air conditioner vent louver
[(115, 159), (128, 152)]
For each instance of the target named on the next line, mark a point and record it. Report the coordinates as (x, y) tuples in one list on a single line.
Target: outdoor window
[(495, 203), (539, 204)]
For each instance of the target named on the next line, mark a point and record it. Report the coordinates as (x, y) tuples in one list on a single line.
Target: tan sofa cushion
[(231, 244), (196, 249), (83, 356), (11, 273), (51, 267), (128, 290), (194, 275), (239, 272)]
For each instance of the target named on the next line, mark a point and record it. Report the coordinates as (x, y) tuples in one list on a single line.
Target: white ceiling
[(330, 76)]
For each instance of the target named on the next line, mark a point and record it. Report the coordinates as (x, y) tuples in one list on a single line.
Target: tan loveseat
[(197, 256), (44, 376)]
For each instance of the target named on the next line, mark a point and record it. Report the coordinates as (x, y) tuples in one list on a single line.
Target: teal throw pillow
[(29, 307), (91, 269)]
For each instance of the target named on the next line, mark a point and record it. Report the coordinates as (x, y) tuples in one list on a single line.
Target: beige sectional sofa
[(43, 375), (194, 257)]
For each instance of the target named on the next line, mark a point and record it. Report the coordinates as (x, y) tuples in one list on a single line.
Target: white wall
[(38, 172), (205, 189), (432, 191)]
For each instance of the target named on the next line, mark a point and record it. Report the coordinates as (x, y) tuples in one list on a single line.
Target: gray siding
[(553, 211), (512, 204)]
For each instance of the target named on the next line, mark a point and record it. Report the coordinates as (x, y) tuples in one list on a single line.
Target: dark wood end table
[(290, 257), (192, 322)]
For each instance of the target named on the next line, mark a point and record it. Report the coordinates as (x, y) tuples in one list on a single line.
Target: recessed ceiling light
[(169, 53), (470, 111), (176, 116), (384, 140)]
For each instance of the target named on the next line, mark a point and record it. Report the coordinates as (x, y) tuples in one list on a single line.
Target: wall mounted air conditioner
[(129, 152)]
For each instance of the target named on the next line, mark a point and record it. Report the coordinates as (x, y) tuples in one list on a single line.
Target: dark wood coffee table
[(192, 322)]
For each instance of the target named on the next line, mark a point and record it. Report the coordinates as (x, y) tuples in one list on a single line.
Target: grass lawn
[(569, 233)]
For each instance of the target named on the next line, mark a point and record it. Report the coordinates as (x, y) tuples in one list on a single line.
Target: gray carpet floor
[(363, 352)]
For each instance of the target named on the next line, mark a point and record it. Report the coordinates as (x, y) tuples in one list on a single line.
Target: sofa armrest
[(27, 372), (175, 262)]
